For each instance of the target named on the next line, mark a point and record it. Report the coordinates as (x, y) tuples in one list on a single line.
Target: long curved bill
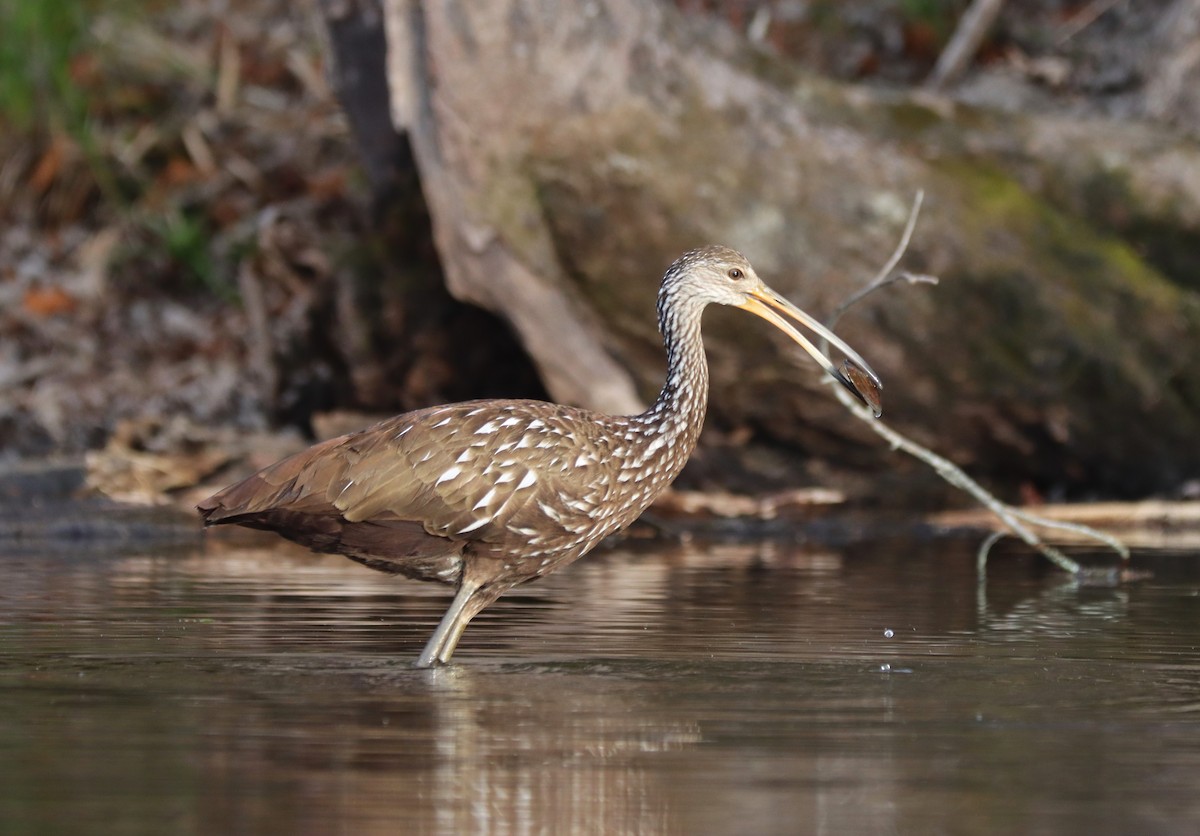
[(855, 374)]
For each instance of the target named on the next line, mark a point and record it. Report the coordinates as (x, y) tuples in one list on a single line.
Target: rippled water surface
[(249, 687)]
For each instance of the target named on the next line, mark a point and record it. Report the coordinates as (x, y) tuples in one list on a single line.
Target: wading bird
[(485, 495)]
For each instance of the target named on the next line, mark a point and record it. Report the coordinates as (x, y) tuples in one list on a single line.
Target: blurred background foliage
[(42, 56)]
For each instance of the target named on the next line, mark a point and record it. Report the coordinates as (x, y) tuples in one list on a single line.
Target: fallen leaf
[(48, 301), (48, 167)]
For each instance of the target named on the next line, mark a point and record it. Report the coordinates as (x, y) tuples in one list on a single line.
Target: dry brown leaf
[(48, 166), (48, 301)]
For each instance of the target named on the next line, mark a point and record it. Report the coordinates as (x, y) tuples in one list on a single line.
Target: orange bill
[(855, 374)]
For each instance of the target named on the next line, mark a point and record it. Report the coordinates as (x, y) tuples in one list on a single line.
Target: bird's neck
[(678, 412)]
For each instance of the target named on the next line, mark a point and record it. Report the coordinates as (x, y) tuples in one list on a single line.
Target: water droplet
[(885, 668), (887, 634)]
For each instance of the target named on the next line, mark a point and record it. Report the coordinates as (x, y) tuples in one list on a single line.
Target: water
[(244, 686)]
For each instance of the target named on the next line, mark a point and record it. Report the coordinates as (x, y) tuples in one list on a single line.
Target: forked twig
[(885, 276), (1018, 522)]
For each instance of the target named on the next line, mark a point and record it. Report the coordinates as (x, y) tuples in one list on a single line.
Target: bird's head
[(722, 276)]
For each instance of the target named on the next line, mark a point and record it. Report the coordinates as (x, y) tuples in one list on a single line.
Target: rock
[(568, 158)]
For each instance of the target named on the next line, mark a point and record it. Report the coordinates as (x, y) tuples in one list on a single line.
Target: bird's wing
[(496, 472), (493, 472)]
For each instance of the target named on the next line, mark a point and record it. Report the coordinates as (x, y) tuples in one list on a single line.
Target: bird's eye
[(735, 273)]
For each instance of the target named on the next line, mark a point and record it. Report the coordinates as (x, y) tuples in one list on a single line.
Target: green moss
[(1051, 297), (1160, 236), (907, 118), (1068, 246)]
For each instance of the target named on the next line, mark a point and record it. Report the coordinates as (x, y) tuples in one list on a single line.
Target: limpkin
[(492, 493)]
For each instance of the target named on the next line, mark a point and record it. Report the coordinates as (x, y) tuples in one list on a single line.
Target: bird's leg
[(441, 644), (478, 586)]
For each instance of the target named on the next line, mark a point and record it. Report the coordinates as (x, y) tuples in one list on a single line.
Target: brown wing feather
[(468, 471), (296, 498), (508, 476)]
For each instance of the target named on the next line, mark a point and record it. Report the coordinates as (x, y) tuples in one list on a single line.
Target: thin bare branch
[(955, 475), (1083, 19), (1019, 523), (1076, 528), (915, 278), (884, 277), (968, 36), (985, 547)]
